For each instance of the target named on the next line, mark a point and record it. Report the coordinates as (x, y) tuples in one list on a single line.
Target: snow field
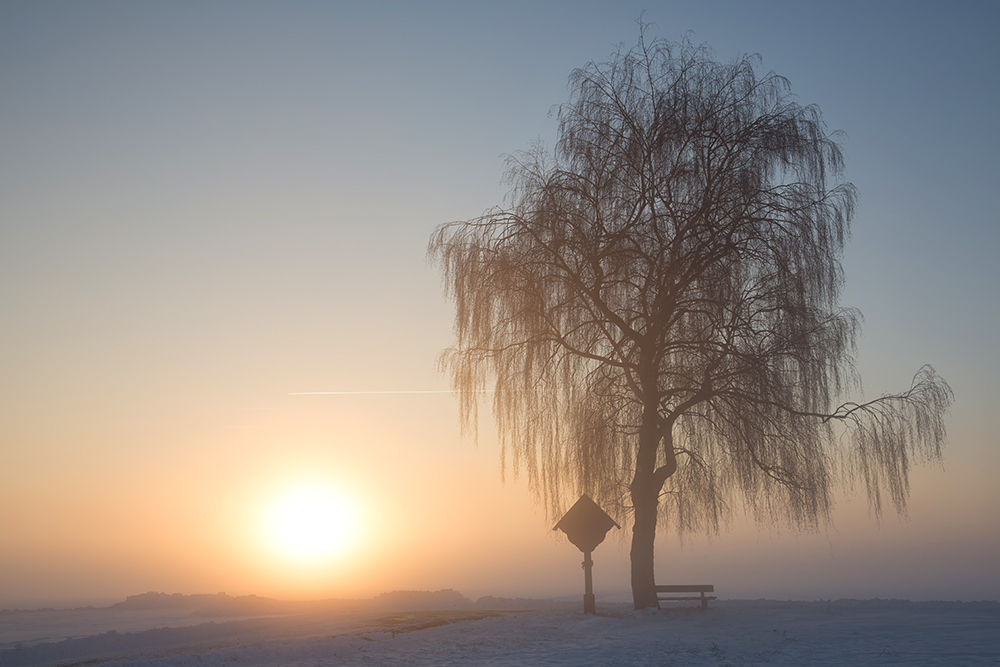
[(846, 632)]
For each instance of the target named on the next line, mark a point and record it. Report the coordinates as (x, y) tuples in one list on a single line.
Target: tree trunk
[(645, 500), (644, 504)]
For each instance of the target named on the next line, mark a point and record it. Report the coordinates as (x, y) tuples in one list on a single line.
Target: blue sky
[(206, 206)]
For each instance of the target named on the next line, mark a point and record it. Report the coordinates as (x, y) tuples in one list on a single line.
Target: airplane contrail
[(409, 391)]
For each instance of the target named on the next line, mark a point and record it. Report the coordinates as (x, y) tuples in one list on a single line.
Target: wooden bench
[(689, 588)]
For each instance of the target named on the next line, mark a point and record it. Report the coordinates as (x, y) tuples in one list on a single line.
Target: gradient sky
[(207, 207)]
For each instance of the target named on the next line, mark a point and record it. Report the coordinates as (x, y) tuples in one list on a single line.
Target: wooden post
[(586, 524), (589, 604)]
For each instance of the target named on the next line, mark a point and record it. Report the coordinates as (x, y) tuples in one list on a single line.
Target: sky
[(207, 209)]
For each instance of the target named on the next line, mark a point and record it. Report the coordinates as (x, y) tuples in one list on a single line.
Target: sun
[(311, 523)]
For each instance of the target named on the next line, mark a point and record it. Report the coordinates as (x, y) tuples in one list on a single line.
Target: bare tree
[(657, 308)]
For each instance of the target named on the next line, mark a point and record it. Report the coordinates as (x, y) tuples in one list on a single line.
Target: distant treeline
[(222, 604)]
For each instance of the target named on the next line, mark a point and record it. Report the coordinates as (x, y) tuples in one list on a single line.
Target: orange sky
[(187, 517)]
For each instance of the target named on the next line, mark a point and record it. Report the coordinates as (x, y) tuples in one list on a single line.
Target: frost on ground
[(845, 632)]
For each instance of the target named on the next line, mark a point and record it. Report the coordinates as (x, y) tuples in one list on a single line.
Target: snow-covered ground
[(731, 632)]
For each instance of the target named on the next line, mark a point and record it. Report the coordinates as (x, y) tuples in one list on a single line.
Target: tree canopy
[(657, 307)]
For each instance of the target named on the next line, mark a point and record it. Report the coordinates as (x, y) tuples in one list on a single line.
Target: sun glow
[(311, 523)]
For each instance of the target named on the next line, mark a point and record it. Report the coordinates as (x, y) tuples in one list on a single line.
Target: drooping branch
[(676, 258)]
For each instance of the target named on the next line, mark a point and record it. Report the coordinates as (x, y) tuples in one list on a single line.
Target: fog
[(210, 209)]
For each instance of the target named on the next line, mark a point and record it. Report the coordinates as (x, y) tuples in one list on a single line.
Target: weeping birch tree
[(657, 308)]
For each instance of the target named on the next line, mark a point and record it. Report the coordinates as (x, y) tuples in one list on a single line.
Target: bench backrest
[(687, 588)]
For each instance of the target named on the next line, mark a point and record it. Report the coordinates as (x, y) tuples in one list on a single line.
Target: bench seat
[(687, 588)]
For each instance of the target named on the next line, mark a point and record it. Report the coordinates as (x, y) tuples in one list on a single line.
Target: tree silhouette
[(657, 308)]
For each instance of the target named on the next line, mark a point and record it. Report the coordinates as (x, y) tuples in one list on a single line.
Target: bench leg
[(704, 601)]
